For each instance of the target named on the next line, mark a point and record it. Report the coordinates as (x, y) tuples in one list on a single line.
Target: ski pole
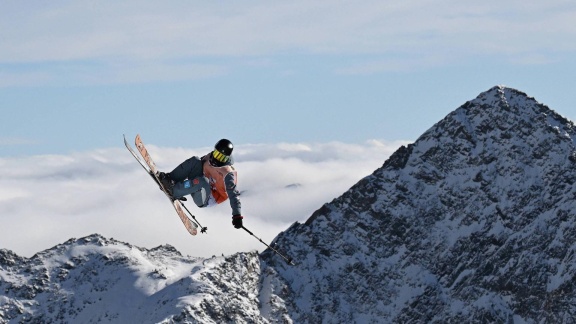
[(288, 260), (202, 228)]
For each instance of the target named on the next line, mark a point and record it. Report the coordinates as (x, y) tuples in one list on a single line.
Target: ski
[(150, 167)]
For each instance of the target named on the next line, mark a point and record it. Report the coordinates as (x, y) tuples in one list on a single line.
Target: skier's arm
[(233, 193)]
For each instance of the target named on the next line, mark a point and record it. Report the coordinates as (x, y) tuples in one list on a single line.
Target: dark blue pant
[(198, 188)]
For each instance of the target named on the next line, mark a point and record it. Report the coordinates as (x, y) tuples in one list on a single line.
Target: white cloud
[(105, 35), (48, 199)]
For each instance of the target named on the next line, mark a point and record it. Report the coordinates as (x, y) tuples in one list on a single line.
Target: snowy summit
[(474, 222)]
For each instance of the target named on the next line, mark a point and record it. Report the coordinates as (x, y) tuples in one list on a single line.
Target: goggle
[(220, 157)]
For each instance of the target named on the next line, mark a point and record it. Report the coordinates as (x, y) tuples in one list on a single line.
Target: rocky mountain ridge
[(94, 279), (474, 222)]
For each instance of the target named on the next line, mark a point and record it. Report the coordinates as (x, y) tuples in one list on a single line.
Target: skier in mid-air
[(210, 180)]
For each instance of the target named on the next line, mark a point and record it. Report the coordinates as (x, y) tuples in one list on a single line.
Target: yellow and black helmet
[(222, 152)]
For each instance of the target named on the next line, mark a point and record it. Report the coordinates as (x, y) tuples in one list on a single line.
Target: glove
[(237, 221)]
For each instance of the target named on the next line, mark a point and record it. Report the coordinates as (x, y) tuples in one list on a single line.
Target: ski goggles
[(220, 157)]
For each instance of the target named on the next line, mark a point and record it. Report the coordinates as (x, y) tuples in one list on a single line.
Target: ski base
[(150, 167)]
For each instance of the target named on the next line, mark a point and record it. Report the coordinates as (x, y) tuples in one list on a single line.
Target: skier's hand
[(237, 221)]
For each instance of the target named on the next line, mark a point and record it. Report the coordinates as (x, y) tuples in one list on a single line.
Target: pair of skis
[(148, 164)]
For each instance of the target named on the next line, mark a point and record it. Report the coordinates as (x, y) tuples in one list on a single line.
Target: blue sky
[(313, 93), (76, 75)]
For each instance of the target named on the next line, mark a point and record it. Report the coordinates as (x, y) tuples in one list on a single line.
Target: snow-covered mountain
[(473, 222), (94, 279)]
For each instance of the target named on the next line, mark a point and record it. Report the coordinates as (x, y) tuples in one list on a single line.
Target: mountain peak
[(499, 113), (500, 93), (475, 213), (501, 102)]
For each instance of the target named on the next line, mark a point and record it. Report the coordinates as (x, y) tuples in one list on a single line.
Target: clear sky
[(330, 87)]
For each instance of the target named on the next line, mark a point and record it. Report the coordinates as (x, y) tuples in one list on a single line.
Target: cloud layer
[(132, 41), (45, 200)]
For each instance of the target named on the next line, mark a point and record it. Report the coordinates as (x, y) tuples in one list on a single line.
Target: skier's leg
[(187, 169), (198, 188), (202, 197)]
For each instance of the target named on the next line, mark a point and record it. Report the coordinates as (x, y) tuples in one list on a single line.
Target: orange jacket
[(218, 183)]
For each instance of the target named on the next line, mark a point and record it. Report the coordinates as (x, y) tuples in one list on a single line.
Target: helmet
[(222, 152)]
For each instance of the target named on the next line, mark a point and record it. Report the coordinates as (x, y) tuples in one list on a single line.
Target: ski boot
[(166, 182), (168, 185)]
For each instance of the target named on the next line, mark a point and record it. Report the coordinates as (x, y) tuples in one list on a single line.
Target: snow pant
[(198, 188)]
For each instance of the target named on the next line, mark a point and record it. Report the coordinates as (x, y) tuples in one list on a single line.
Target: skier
[(210, 180)]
